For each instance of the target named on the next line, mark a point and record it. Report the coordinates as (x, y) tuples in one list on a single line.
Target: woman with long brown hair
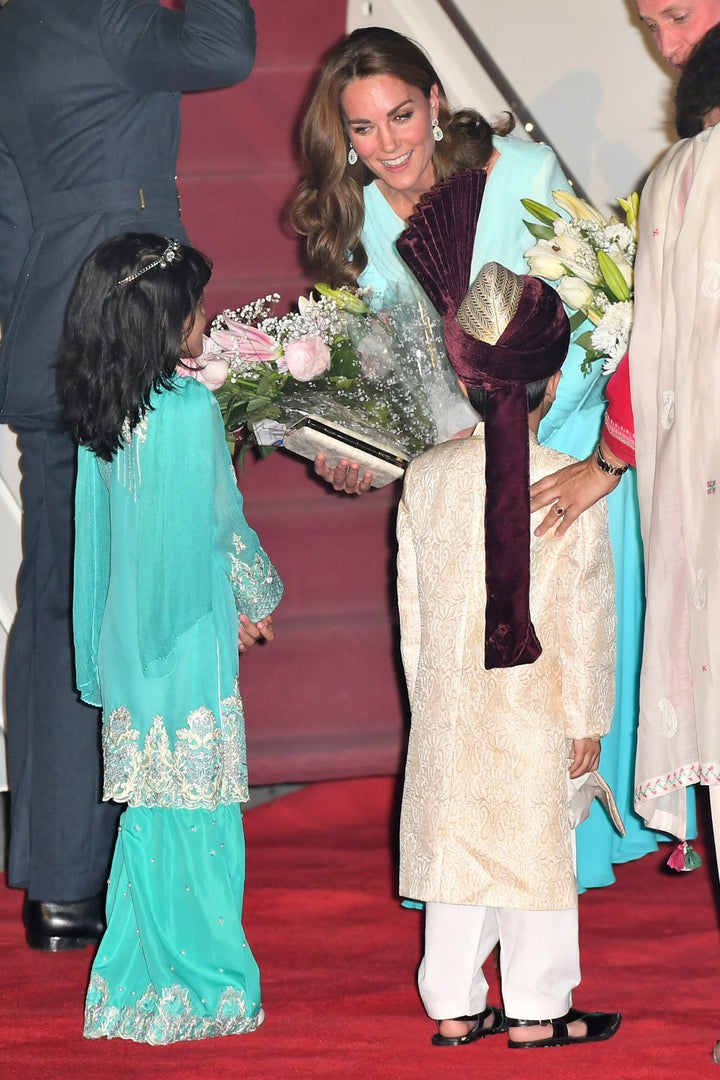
[(377, 133)]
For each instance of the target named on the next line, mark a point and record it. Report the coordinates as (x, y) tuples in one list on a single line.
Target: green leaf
[(576, 320), (584, 340), (540, 232)]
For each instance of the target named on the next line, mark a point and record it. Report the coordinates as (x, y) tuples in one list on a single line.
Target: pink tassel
[(684, 857)]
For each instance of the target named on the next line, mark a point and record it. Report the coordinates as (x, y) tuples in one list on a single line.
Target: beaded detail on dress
[(252, 579), (206, 767), (127, 459), (165, 1017)]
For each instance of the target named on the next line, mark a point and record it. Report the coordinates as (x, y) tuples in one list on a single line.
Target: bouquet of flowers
[(374, 382), (591, 258)]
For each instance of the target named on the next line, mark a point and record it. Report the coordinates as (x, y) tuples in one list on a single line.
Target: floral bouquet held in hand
[(334, 377), (591, 259)]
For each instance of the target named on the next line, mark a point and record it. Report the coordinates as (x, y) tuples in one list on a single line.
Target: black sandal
[(600, 1026), (498, 1025)]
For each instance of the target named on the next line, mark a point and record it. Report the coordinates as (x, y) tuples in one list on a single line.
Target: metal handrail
[(515, 103)]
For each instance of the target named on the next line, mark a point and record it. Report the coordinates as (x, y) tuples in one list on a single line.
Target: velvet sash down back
[(437, 245)]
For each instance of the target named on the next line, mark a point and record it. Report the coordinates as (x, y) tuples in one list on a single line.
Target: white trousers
[(539, 960)]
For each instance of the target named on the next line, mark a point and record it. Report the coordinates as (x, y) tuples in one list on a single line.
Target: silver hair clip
[(170, 255)]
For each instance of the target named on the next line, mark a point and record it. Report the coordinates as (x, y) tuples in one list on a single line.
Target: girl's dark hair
[(328, 207), (535, 392), (698, 89), (123, 338)]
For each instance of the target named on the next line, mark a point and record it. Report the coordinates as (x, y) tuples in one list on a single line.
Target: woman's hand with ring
[(345, 476)]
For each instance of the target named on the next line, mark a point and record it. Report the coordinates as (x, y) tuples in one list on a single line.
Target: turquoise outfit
[(530, 170), (164, 563)]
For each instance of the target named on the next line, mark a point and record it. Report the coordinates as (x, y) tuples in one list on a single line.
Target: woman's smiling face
[(389, 124)]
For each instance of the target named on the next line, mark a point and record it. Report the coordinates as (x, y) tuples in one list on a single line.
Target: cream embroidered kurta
[(675, 382), (484, 815)]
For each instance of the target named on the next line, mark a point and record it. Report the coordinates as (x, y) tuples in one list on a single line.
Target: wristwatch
[(602, 463)]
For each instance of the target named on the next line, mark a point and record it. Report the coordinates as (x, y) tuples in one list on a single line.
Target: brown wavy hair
[(328, 208)]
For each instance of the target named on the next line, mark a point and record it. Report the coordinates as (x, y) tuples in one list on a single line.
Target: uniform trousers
[(539, 960), (61, 834)]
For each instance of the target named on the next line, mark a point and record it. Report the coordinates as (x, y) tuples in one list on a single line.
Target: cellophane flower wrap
[(381, 374), (590, 260)]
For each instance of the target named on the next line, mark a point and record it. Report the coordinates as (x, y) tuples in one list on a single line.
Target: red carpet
[(338, 958)]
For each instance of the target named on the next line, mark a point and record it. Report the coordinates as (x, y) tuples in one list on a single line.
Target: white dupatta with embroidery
[(675, 380)]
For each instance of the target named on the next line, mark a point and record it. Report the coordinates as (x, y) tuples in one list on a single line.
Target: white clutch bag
[(581, 793), (312, 436)]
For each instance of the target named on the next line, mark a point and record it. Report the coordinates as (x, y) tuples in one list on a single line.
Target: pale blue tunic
[(165, 562), (530, 170)]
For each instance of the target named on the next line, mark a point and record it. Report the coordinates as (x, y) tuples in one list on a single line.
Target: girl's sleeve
[(255, 583), (209, 44)]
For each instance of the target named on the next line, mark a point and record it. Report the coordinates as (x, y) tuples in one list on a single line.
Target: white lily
[(544, 262), (577, 208)]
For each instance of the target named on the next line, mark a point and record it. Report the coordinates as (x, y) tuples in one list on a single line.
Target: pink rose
[(210, 368), (307, 358)]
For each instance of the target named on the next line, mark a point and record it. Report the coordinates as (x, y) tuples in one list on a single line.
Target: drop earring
[(352, 155), (437, 132)]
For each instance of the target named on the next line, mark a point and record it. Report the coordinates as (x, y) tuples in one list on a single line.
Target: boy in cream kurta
[(486, 838)]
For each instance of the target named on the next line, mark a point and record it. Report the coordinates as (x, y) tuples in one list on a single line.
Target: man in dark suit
[(89, 134)]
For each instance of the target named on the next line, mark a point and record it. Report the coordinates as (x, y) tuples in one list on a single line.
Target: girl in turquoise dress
[(164, 565), (377, 134)]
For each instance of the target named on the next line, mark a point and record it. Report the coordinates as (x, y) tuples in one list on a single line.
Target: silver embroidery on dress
[(253, 579), (667, 418), (129, 473), (207, 766), (164, 1017), (700, 595), (668, 718), (710, 287)]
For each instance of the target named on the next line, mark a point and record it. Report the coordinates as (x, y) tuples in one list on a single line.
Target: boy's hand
[(249, 632), (584, 757)]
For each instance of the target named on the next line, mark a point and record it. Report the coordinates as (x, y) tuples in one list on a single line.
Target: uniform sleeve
[(15, 229), (209, 44), (91, 572), (586, 619), (407, 595)]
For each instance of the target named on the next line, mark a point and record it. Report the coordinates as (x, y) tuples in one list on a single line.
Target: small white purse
[(312, 436)]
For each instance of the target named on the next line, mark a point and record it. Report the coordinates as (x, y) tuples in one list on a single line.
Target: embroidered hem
[(206, 767), (678, 778), (165, 1017)]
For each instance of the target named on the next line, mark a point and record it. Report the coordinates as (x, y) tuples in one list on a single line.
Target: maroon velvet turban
[(437, 245)]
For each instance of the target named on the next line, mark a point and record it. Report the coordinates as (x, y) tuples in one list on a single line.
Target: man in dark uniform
[(89, 134)]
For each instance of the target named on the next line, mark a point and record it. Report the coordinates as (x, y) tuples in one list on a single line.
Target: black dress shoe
[(64, 924), (600, 1026), (477, 1031)]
